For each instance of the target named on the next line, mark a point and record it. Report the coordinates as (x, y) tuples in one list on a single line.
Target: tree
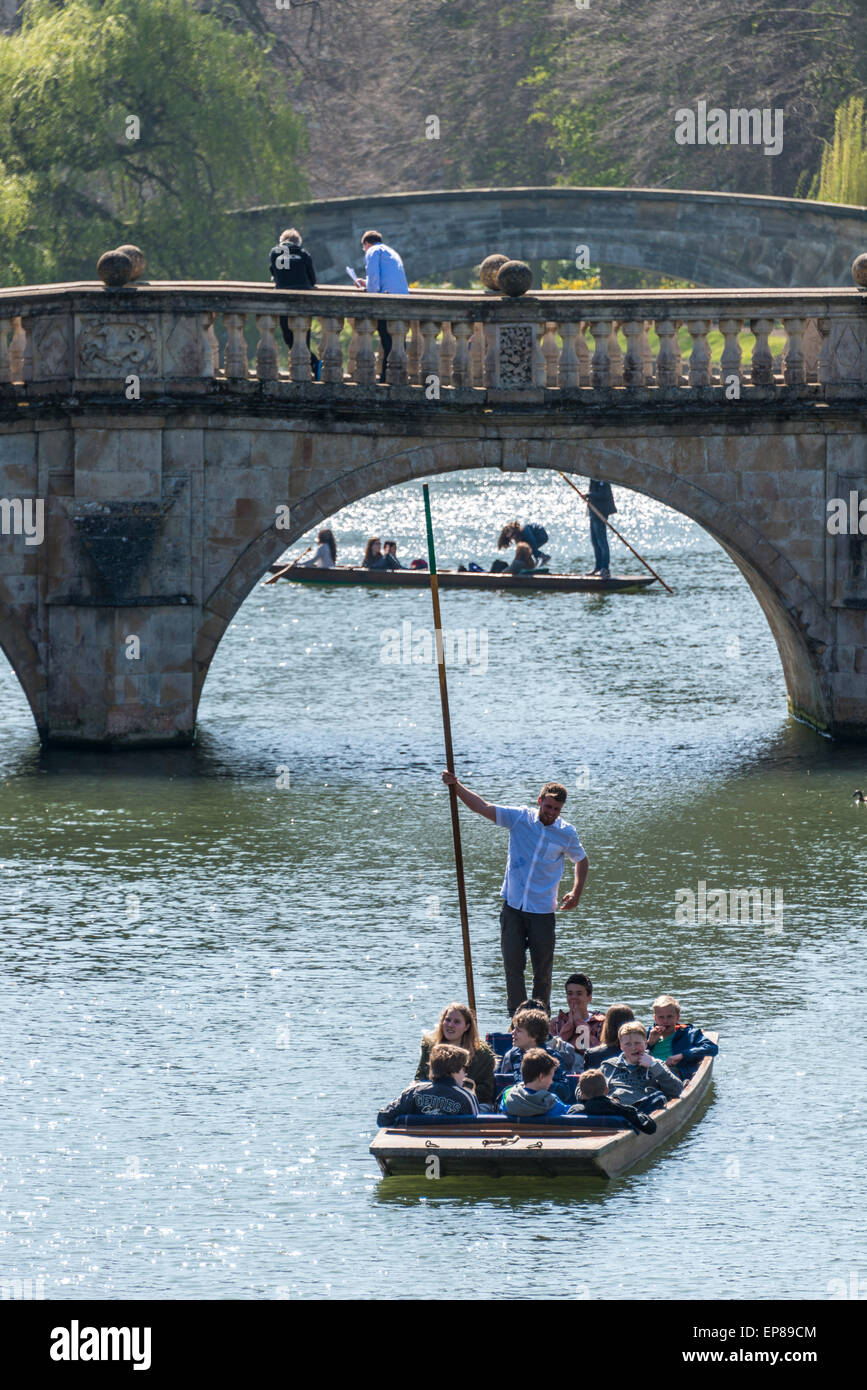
[(843, 175), (122, 121)]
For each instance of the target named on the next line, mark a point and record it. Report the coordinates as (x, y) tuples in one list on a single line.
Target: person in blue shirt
[(539, 843), (384, 275)]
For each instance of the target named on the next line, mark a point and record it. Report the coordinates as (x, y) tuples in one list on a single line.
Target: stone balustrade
[(617, 349)]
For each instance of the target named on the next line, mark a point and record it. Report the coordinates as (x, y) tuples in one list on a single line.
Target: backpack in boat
[(418, 565)]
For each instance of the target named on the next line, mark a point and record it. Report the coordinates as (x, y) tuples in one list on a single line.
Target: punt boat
[(340, 575), (498, 1146)]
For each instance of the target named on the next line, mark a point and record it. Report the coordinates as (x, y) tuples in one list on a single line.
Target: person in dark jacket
[(635, 1075), (595, 1100), (530, 1029), (608, 1045), (680, 1045), (444, 1094), (602, 498), (292, 269), (532, 535), (374, 558)]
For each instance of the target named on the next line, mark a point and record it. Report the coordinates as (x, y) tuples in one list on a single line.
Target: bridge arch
[(727, 240), (799, 624), (24, 659)]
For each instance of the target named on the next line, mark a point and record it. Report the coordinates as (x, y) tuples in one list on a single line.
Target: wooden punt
[(498, 1149), (340, 575)]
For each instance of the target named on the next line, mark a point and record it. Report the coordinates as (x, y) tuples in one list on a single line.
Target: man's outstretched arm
[(475, 803)]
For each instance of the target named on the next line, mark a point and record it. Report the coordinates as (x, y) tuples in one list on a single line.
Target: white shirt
[(536, 857)]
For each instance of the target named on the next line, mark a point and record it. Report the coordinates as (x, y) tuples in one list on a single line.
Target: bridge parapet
[(621, 349)]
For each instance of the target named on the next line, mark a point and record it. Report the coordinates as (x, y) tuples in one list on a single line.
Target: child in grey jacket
[(634, 1075)]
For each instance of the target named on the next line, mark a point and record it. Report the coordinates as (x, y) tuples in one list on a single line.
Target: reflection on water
[(216, 971)]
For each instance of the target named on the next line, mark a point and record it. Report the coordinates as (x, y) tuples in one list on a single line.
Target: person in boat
[(539, 843), (457, 1027), (576, 1024), (374, 558), (523, 562), (532, 1096), (532, 535), (389, 548), (635, 1075), (292, 269), (680, 1045), (593, 1099), (602, 498), (325, 556), (608, 1045), (443, 1094), (531, 1029)]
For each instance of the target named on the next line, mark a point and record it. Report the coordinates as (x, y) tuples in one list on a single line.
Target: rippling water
[(218, 961)]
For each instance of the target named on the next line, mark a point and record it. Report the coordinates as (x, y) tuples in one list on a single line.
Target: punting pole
[(287, 568), (616, 532), (450, 757)]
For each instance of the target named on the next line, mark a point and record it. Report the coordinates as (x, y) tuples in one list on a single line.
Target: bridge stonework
[(161, 512)]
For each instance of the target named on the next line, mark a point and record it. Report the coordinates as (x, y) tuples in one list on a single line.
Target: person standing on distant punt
[(532, 535), (326, 552), (539, 843), (292, 269), (385, 275), (602, 497)]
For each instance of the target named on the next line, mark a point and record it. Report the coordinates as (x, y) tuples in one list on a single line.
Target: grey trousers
[(520, 932)]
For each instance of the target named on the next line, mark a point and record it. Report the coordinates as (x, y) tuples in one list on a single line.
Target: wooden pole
[(287, 568), (450, 757), (616, 532)]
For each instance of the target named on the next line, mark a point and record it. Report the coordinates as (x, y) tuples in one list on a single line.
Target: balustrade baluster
[(700, 357), (332, 352), (682, 379), (413, 354), (794, 360), (762, 373), (365, 357), (601, 363), (538, 331), (430, 362), (5, 330), (210, 346), (823, 328), (299, 353), (568, 368), (731, 360), (17, 351), (615, 355), (633, 362), (395, 371), (646, 351), (492, 366), (447, 353), (585, 373), (461, 367), (266, 349), (550, 354), (667, 360), (477, 355), (236, 347)]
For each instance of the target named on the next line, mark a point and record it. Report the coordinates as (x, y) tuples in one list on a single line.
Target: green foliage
[(216, 131), (575, 135), (843, 175)]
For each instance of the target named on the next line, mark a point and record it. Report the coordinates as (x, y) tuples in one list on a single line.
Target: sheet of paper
[(351, 273)]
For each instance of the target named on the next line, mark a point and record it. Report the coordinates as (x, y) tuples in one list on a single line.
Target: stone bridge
[(732, 240), (161, 436)]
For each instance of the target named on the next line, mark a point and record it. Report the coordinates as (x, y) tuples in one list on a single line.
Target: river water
[(218, 961)]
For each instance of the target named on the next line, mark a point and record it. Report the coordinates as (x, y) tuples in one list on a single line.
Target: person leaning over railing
[(292, 269), (385, 275)]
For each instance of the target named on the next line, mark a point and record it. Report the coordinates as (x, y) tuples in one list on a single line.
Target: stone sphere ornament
[(859, 270), (488, 270), (114, 269), (514, 278), (137, 256)]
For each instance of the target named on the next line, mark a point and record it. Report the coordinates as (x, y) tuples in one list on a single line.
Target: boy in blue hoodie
[(532, 1097), (680, 1045)]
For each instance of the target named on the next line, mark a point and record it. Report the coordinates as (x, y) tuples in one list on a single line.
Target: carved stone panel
[(52, 348), (115, 347), (517, 346)]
